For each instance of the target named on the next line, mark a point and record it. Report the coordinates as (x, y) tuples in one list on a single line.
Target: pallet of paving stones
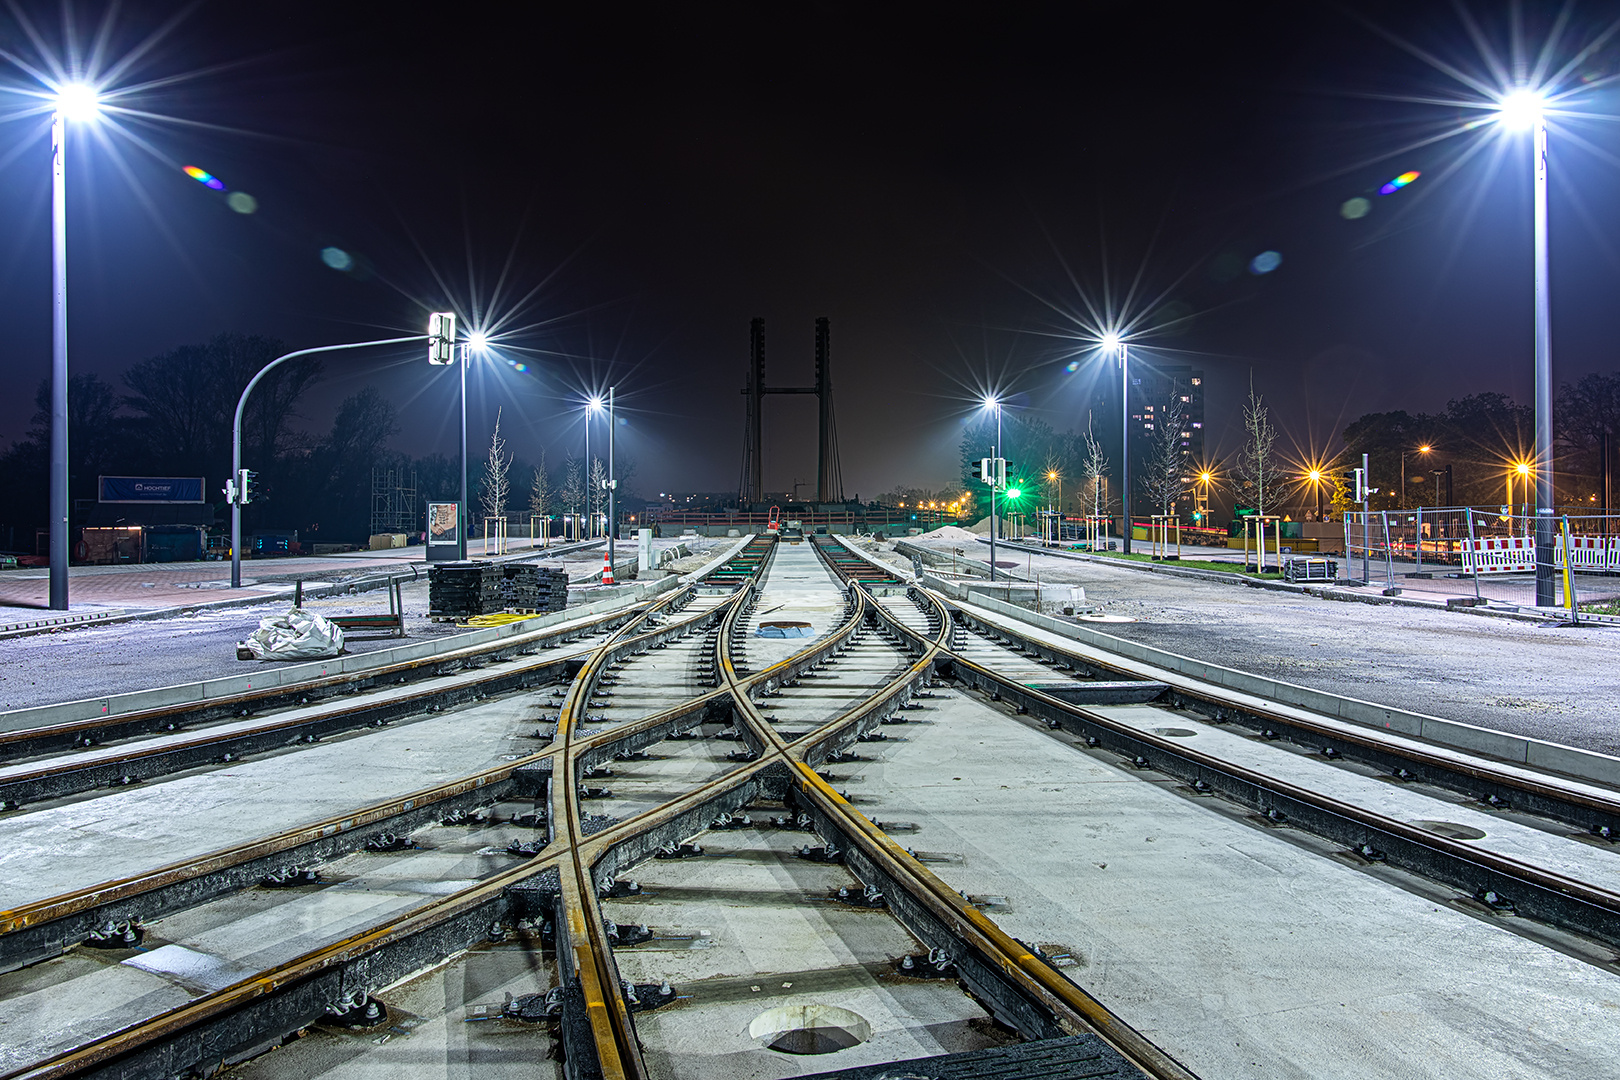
[(528, 588), (460, 590)]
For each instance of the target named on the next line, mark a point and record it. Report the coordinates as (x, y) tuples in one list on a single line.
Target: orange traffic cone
[(607, 570)]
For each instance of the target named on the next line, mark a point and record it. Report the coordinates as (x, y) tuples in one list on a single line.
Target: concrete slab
[(1237, 948)]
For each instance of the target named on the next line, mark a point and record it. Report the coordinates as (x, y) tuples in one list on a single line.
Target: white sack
[(297, 635)]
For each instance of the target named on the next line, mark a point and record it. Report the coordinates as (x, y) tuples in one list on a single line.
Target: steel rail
[(165, 719), (1586, 806), (1543, 894), (1027, 974), (25, 938)]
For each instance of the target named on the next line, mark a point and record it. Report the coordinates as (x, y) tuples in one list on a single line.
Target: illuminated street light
[(1424, 449), (79, 103), (1113, 342), (991, 402), (1524, 109)]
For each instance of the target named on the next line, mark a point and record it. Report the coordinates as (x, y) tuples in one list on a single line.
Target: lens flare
[(1265, 262), (337, 258), (1354, 209), (1399, 182), (1074, 365), (204, 177), (241, 202)]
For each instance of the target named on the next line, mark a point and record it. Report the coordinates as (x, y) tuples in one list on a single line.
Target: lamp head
[(1206, 477), (1424, 449), (478, 341), (1523, 467), (594, 404), (1521, 109), (991, 401), (78, 101), (1111, 341), (1315, 475)]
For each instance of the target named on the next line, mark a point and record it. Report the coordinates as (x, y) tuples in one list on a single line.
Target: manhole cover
[(809, 1029), (1175, 732), (783, 629), (1450, 830)]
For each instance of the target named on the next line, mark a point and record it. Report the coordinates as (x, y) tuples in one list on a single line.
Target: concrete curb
[(1486, 742), (1323, 591), (267, 677)]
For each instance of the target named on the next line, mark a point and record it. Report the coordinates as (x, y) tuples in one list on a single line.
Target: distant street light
[(612, 484), (593, 404), (1521, 110), (81, 104), (1424, 449)]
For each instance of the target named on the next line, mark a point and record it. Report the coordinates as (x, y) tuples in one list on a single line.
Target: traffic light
[(244, 486), (441, 339), (1014, 493), (1004, 469), (984, 470)]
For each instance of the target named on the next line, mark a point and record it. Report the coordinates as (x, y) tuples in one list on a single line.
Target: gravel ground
[(1562, 685), (93, 661)]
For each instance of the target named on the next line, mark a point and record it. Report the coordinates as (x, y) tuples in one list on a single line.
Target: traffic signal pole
[(237, 497)]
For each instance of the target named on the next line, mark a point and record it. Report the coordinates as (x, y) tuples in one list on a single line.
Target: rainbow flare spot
[(204, 177), (1399, 182)]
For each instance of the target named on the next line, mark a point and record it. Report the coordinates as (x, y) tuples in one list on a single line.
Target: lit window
[(1198, 382), (1196, 424), (1184, 397)]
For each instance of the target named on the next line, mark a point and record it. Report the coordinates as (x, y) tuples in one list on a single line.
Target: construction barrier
[(1590, 553), (1499, 555)]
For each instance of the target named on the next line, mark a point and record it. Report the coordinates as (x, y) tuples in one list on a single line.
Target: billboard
[(151, 489), (443, 532)]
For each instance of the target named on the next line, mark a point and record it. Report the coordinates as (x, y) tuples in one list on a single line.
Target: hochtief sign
[(151, 489)]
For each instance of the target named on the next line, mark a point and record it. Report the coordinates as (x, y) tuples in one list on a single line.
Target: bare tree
[(496, 486), (1258, 470), (573, 489), (1165, 481), (540, 489), (1093, 494), (598, 486)]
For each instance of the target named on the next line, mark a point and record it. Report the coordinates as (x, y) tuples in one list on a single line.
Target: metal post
[(590, 518), (1366, 522), (995, 452), (1545, 575), (463, 518), (613, 519), (1389, 557), (1125, 443), (1473, 549), (1417, 538), (236, 441), (60, 501)]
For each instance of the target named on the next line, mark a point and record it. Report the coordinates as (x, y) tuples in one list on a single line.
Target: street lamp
[(593, 405), (612, 484), (1424, 449), (991, 402), (1524, 110), (1112, 342), (81, 104), (1315, 477)]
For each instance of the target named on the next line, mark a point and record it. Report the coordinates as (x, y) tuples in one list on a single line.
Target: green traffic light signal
[(1013, 493)]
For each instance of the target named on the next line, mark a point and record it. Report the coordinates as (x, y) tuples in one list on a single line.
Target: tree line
[(171, 415)]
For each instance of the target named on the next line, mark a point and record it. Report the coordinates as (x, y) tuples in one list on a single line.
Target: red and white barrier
[(1499, 555), (1588, 552)]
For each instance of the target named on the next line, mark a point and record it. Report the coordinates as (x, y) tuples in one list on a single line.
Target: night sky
[(936, 180)]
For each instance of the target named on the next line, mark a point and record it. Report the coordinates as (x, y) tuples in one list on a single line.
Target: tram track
[(778, 730)]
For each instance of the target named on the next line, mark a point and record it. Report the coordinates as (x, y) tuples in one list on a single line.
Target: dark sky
[(653, 177)]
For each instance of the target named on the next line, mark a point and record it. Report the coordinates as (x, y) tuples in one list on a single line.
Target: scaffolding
[(393, 500)]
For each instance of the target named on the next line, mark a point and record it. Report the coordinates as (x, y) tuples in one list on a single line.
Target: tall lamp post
[(593, 405), (1523, 109), (612, 484), (1114, 343), (77, 102), (992, 402)]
